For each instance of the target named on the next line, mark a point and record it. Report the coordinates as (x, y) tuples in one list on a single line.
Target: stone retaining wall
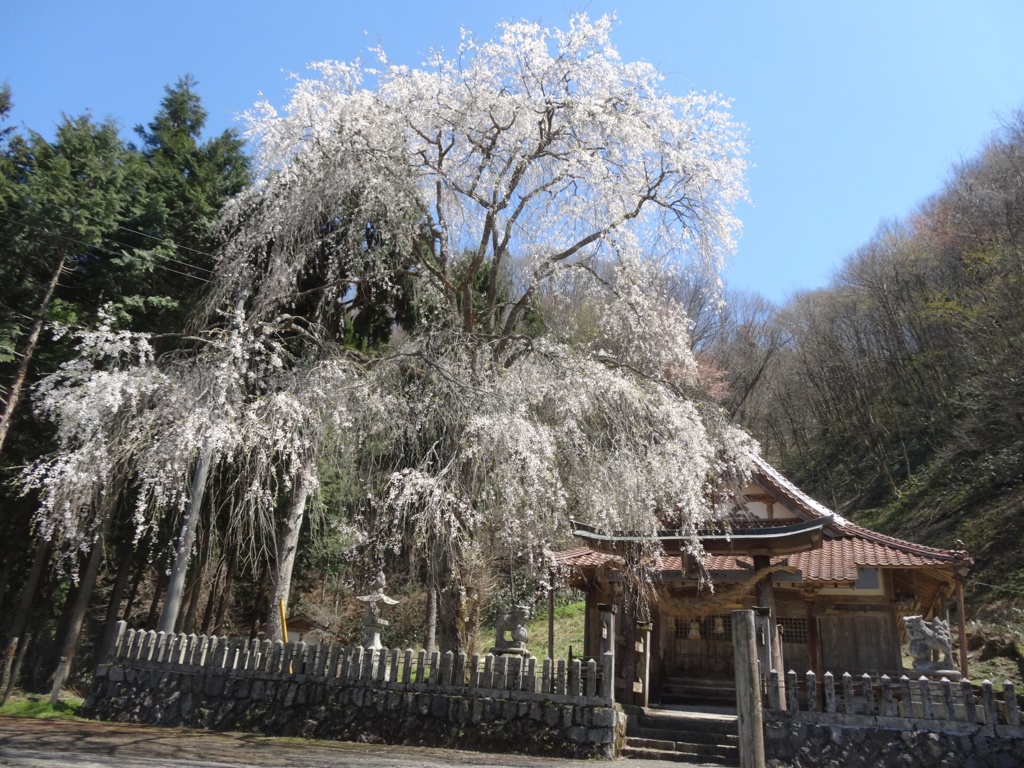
[(879, 722), (351, 694), (805, 740)]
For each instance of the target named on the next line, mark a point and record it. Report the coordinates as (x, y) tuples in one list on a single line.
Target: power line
[(997, 587), (143, 234), (105, 250)]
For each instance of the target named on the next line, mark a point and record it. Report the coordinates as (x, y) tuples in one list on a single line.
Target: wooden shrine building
[(837, 593)]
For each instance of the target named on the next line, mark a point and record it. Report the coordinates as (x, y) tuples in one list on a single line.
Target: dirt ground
[(31, 743)]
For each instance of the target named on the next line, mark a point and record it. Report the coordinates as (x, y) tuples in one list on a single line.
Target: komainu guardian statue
[(512, 621), (927, 637)]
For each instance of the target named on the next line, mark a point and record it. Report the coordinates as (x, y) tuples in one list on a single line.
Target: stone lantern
[(372, 622)]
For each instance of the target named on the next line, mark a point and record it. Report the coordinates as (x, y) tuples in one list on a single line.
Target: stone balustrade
[(351, 692), (879, 721), (920, 699)]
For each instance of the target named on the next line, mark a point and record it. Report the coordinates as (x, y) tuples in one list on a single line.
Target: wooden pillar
[(963, 625), (657, 661), (766, 599), (591, 646), (606, 614), (748, 691), (813, 639), (763, 643), (551, 618), (643, 631), (627, 660), (814, 644)]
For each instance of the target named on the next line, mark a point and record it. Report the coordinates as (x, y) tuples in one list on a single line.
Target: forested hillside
[(896, 393)]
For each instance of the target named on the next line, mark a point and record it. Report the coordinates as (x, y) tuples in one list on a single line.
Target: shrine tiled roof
[(582, 557), (834, 558), (909, 552), (837, 560)]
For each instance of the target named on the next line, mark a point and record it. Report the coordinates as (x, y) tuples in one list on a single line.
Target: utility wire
[(102, 249), (133, 231), (143, 234)]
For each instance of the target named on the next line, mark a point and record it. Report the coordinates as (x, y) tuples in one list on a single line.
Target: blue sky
[(856, 111)]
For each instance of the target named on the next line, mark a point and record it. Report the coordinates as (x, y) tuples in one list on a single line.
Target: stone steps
[(691, 737), (679, 752), (698, 691)]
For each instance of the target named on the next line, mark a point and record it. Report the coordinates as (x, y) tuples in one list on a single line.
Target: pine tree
[(170, 238)]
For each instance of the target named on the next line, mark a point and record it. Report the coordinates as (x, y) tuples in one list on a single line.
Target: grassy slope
[(943, 509), (568, 631)]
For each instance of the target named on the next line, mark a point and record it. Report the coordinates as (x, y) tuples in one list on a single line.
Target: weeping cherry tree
[(531, 198)]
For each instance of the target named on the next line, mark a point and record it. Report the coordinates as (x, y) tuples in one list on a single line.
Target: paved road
[(29, 743)]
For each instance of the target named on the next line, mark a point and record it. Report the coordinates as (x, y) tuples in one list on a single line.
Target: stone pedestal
[(372, 626), (935, 672), (509, 651)]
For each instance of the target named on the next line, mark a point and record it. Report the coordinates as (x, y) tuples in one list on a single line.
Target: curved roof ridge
[(847, 528), (783, 484), (859, 531)]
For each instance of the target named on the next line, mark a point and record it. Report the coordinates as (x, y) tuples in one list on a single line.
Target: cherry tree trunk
[(176, 585), (195, 582), (212, 595), (24, 606), (287, 548), (23, 645), (225, 593), (451, 599), (116, 595), (430, 641), (140, 571), (5, 575), (159, 585)]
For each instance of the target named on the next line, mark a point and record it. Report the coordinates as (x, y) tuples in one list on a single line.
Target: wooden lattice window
[(794, 630), (717, 627)]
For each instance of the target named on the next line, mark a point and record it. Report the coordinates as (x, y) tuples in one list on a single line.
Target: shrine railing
[(884, 699), (524, 677)]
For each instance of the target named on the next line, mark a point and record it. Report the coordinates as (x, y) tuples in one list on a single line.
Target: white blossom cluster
[(132, 425), (503, 462), (536, 196), (536, 152)]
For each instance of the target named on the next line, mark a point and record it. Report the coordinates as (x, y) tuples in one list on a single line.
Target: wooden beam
[(551, 619), (963, 626)]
